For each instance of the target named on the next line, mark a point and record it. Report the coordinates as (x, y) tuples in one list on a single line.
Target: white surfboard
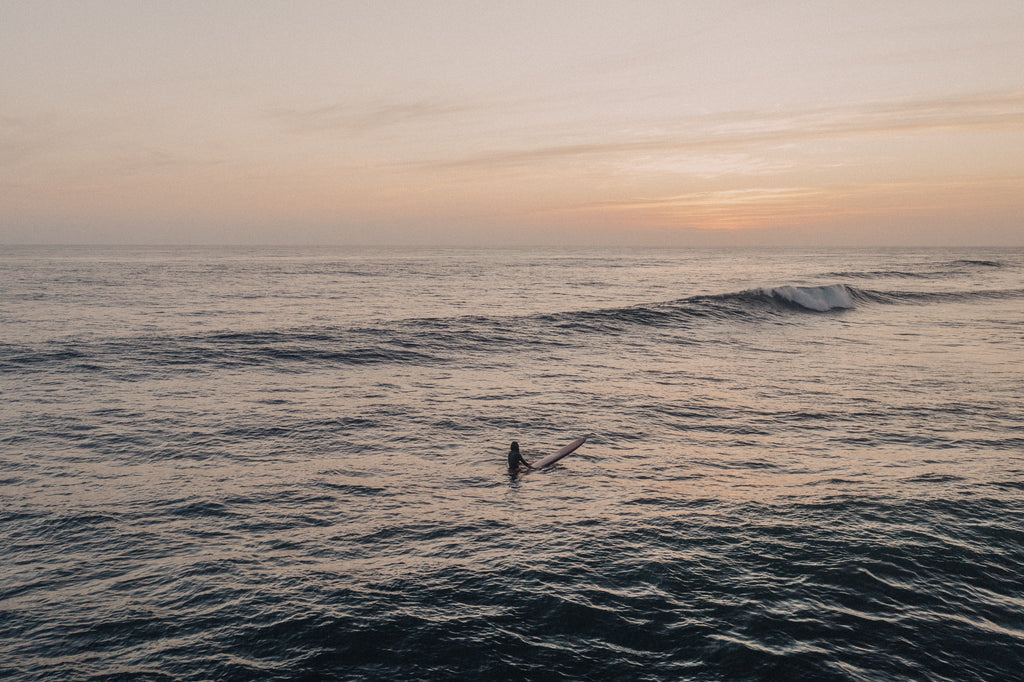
[(552, 458)]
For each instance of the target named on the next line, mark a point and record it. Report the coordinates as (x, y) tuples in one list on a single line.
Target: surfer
[(515, 459)]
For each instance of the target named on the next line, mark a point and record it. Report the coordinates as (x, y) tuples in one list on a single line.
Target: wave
[(432, 341), (931, 271), (920, 297), (883, 274), (748, 305), (969, 262), (820, 299)]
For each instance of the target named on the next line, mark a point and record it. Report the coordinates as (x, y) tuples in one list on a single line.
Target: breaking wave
[(431, 341), (821, 299)]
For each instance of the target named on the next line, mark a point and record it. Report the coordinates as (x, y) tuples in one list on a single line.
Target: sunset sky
[(248, 121)]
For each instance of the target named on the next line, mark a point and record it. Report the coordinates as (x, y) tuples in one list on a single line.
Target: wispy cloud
[(738, 131), (718, 208), (158, 160), (779, 206), (359, 119)]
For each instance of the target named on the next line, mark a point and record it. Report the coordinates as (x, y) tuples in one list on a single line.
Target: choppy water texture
[(290, 464)]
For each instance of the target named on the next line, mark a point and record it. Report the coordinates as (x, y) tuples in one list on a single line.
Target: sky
[(485, 122)]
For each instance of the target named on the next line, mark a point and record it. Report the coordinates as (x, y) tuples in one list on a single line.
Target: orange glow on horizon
[(447, 130)]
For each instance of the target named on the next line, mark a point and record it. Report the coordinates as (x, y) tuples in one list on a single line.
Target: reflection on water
[(312, 481)]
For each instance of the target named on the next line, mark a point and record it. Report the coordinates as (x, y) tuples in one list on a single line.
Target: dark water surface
[(289, 464)]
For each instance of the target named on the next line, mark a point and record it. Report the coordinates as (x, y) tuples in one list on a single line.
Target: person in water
[(515, 459)]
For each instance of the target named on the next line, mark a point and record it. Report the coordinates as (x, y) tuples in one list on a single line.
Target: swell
[(918, 297), (937, 270), (425, 341)]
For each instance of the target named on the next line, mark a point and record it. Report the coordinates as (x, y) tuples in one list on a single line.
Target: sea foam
[(821, 299)]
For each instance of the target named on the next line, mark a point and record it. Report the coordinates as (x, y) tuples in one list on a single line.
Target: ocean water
[(291, 464)]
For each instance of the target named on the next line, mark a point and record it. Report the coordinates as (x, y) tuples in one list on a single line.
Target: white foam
[(821, 299)]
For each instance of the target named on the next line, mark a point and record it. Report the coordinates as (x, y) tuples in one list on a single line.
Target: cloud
[(738, 131), (360, 119), (759, 207), (716, 209), (152, 161)]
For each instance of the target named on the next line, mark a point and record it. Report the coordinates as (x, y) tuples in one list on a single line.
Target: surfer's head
[(515, 448)]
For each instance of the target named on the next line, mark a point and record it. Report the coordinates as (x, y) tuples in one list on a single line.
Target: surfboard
[(552, 458)]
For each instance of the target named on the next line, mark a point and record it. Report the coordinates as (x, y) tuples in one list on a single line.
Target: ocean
[(290, 464)]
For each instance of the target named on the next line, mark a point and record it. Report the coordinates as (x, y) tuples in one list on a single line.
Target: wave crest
[(820, 299), (435, 341)]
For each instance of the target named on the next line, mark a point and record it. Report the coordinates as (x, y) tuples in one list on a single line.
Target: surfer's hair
[(515, 447)]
